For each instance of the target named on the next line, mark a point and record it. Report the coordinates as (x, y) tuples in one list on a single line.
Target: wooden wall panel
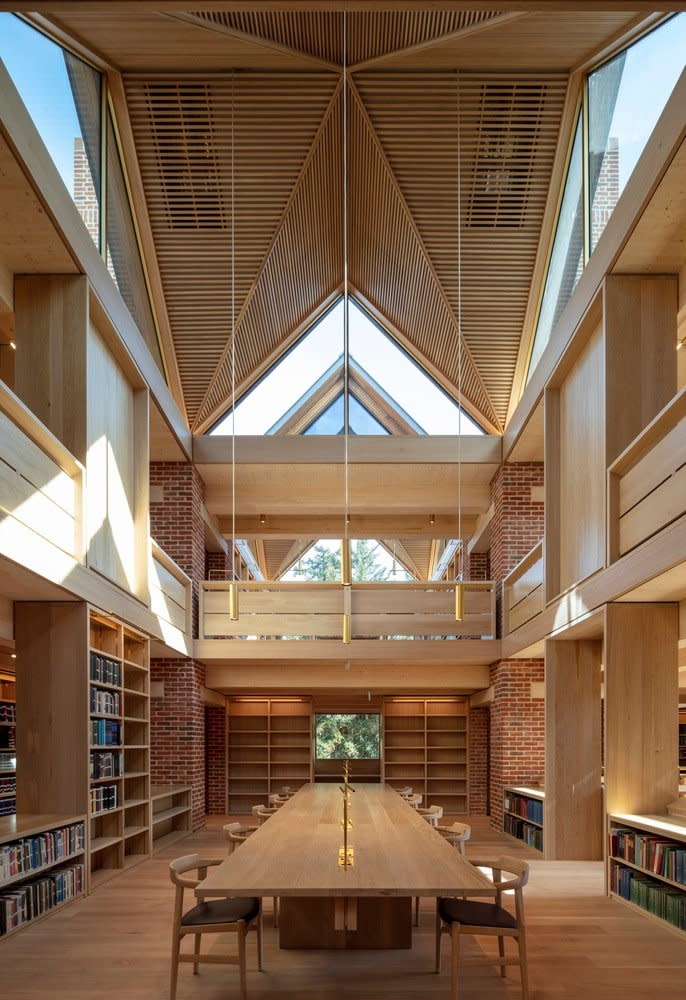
[(50, 367), (575, 467), (52, 707), (117, 449), (573, 823), (641, 707), (640, 320)]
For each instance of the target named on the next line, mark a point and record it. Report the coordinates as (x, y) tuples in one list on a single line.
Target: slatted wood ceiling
[(508, 128), (182, 128), (402, 177), (370, 35)]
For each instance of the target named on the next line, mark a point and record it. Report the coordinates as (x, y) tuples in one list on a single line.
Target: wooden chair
[(216, 916), (263, 813), (277, 800), (457, 834), (471, 916), (432, 814), (236, 833), (406, 791), (414, 800)]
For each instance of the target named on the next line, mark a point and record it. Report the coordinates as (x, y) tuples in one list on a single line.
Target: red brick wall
[(217, 566), (517, 523), (215, 759), (176, 498), (517, 730), (177, 730), (479, 719), (479, 566)]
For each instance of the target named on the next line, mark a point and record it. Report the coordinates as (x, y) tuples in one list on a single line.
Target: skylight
[(378, 361)]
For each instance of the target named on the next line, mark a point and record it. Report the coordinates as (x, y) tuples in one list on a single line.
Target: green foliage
[(323, 563), (351, 736)]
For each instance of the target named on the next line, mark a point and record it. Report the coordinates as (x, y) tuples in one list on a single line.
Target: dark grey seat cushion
[(222, 911), (469, 911)]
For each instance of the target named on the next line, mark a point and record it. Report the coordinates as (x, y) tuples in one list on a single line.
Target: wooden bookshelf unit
[(171, 814), (119, 747), (647, 865), (425, 746), (523, 814), (269, 746), (42, 867)]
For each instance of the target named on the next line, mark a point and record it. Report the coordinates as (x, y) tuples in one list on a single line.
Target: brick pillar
[(177, 729), (217, 566), (215, 759), (479, 724), (517, 525), (478, 566), (517, 730), (176, 498)]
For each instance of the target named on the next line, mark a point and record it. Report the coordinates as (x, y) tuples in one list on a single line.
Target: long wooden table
[(294, 855)]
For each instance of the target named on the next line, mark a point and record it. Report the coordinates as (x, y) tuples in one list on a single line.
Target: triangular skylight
[(371, 560), (389, 393)]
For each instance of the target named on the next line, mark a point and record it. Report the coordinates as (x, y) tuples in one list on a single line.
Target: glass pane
[(370, 561), (567, 257), (123, 256), (62, 95), (378, 360), (341, 737), (625, 99)]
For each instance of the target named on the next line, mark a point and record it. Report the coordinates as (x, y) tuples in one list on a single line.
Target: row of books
[(8, 783), (655, 897), (519, 828), (646, 850), (103, 798), (26, 902), (8, 711), (8, 807), (105, 733), (8, 738), (8, 761), (20, 857), (106, 764), (105, 670), (531, 809), (106, 702)]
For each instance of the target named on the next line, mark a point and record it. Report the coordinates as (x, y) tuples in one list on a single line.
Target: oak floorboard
[(115, 944)]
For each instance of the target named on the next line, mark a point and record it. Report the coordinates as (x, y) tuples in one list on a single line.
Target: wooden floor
[(115, 943)]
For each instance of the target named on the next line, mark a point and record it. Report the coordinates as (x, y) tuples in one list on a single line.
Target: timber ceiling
[(437, 102)]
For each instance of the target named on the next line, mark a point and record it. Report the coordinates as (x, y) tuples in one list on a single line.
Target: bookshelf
[(523, 814), (647, 865), (8, 746), (171, 814), (119, 747), (425, 745), (269, 745), (42, 867)]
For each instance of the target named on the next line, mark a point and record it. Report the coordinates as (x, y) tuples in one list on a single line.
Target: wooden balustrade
[(523, 590), (378, 610), (41, 483), (647, 483), (170, 590)]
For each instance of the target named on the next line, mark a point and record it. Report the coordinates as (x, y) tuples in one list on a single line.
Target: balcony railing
[(647, 483), (170, 591), (523, 590), (41, 487), (298, 610)]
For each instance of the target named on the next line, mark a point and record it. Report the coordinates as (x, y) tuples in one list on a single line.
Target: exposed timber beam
[(388, 525)]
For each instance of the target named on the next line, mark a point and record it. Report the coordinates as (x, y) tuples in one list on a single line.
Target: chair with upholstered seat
[(478, 917), (457, 834), (414, 800), (216, 916)]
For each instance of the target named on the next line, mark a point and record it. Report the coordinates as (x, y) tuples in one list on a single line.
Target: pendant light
[(346, 567), (459, 576)]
